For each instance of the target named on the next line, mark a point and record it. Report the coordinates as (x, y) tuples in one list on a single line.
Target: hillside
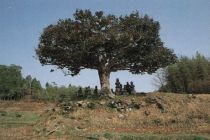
[(150, 116)]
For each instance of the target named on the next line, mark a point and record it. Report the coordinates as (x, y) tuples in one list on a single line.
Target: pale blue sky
[(185, 27)]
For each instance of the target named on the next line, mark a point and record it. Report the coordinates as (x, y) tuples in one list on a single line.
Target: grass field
[(160, 117)]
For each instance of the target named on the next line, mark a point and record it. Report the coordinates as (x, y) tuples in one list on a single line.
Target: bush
[(200, 86), (108, 135)]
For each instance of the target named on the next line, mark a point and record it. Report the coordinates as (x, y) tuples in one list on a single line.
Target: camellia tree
[(106, 43)]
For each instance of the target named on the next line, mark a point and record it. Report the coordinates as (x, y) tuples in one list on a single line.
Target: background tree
[(160, 78), (11, 82), (106, 43), (35, 86), (189, 75), (28, 83)]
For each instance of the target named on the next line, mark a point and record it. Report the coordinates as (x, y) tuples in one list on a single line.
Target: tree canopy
[(106, 43)]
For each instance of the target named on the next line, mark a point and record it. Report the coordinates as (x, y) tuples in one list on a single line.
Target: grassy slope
[(181, 117)]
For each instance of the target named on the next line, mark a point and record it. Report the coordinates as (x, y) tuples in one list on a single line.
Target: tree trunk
[(104, 81)]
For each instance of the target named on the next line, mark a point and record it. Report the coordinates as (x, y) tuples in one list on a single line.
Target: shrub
[(199, 86), (108, 135)]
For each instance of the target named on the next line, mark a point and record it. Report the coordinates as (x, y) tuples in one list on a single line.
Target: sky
[(185, 28)]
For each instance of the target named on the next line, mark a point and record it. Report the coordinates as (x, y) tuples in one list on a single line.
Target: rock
[(66, 107), (91, 105), (80, 103), (121, 116), (129, 109), (191, 96), (120, 109), (150, 100), (122, 106), (102, 102), (143, 104), (112, 104), (147, 112), (159, 105), (79, 128)]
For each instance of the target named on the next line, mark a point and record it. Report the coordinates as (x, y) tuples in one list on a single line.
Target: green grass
[(15, 119), (135, 136), (108, 135), (161, 137)]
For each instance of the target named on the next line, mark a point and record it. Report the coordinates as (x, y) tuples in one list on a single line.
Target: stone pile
[(68, 107), (119, 105), (123, 106)]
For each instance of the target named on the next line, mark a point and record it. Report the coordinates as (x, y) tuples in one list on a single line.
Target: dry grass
[(25, 105), (181, 114)]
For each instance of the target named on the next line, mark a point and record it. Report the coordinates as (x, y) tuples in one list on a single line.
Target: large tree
[(106, 43)]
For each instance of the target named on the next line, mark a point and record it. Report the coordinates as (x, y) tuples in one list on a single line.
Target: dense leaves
[(106, 43)]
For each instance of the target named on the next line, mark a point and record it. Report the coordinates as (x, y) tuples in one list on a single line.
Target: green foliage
[(55, 93), (16, 119), (13, 86), (106, 43), (198, 138), (35, 86), (137, 136), (28, 82), (108, 135), (188, 75), (11, 82)]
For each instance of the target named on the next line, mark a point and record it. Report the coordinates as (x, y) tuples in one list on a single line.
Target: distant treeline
[(14, 86), (188, 75)]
